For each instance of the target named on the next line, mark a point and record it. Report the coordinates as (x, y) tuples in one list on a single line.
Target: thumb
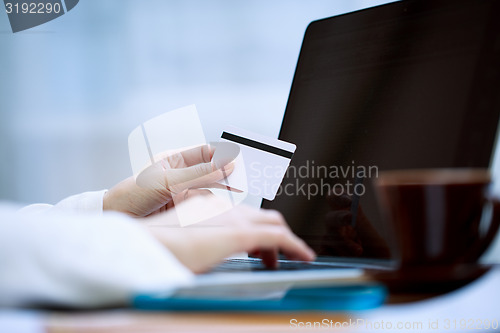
[(182, 175), (157, 177), (178, 180)]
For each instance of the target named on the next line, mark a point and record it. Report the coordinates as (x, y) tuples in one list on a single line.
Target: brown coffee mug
[(440, 217)]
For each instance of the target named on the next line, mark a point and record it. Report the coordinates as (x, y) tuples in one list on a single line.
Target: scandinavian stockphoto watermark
[(428, 324), (166, 157), (26, 14), (310, 179)]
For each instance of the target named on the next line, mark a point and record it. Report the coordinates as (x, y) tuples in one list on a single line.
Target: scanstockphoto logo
[(26, 14)]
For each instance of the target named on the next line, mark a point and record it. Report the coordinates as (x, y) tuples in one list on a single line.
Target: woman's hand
[(240, 229), (178, 175)]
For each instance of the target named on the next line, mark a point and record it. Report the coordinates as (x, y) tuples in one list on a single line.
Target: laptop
[(406, 85)]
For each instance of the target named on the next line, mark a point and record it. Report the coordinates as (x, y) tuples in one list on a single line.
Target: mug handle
[(482, 243)]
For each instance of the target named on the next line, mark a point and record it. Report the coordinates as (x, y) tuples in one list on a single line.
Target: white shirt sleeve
[(81, 260), (88, 202)]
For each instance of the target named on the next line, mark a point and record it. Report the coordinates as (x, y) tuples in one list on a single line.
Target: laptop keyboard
[(242, 265)]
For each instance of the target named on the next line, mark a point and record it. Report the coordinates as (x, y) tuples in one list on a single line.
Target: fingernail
[(229, 166), (312, 254)]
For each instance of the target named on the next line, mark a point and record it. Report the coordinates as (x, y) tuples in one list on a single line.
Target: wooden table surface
[(129, 321)]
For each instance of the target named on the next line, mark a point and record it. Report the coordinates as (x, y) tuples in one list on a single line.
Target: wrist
[(106, 202)]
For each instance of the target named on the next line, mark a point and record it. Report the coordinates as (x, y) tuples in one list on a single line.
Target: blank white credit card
[(260, 165)]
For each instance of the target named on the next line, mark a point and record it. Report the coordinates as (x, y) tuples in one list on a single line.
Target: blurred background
[(74, 88)]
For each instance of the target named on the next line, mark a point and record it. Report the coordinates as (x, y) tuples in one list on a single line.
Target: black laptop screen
[(411, 84)]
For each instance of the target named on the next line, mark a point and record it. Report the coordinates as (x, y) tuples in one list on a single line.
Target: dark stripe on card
[(257, 145)]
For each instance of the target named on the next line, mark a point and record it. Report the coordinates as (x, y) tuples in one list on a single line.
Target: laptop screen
[(411, 84)]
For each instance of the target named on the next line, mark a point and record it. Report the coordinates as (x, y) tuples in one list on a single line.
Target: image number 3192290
[(26, 14)]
